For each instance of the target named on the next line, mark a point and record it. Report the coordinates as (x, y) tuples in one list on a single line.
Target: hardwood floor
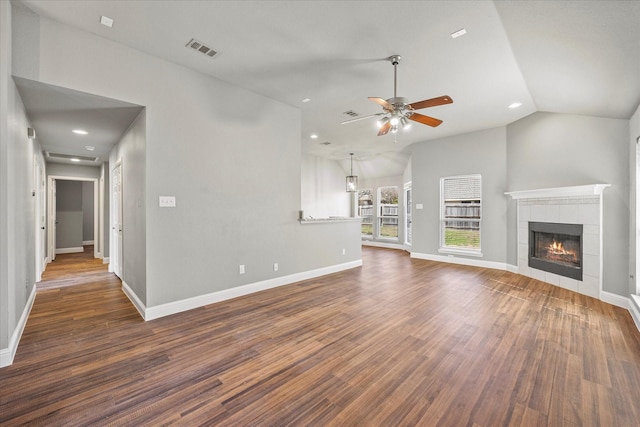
[(396, 342)]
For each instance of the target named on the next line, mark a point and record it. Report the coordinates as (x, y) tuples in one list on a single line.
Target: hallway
[(74, 269)]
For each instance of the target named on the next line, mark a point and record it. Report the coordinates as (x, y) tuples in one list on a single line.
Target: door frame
[(40, 215), (116, 245), (51, 203), (408, 215)]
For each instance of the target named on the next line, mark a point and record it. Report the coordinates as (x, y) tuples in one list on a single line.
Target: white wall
[(483, 152), (323, 190), (548, 150), (236, 177)]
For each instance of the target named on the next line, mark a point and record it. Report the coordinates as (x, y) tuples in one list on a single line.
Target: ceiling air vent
[(70, 156), (351, 113), (201, 47)]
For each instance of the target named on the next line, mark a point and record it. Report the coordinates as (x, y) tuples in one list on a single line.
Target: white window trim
[(379, 217), (458, 251)]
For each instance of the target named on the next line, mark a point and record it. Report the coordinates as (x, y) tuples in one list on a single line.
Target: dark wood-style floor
[(396, 342)]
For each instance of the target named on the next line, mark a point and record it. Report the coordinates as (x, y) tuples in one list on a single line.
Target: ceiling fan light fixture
[(394, 121), (383, 121), (352, 180)]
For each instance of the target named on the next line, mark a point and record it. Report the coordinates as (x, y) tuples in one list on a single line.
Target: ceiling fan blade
[(384, 129), (425, 120), (382, 103), (362, 118), (433, 102)]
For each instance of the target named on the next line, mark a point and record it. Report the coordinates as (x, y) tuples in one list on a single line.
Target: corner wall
[(634, 197), (483, 152), (214, 146), (17, 213), (548, 150)]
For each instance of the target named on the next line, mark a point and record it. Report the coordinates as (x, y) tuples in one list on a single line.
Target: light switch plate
[(167, 201), (419, 206)]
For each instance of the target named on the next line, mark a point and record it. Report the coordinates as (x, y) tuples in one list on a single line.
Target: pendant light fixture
[(352, 180)]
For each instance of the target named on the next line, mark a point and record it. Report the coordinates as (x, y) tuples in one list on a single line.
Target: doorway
[(40, 217), (116, 220), (54, 221)]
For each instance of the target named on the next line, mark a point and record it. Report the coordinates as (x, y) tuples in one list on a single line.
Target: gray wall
[(17, 215), (634, 174), (88, 217), (213, 146), (130, 153), (483, 152), (69, 215), (548, 150), (74, 171)]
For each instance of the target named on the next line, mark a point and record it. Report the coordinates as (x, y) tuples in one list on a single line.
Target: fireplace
[(556, 248)]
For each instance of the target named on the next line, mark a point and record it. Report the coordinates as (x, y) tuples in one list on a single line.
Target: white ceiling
[(54, 112), (579, 57)]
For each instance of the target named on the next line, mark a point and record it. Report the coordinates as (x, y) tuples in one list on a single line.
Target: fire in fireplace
[(556, 248)]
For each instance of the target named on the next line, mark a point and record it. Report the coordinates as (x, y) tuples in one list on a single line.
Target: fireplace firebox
[(556, 248)]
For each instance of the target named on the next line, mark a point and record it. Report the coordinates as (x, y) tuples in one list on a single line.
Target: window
[(388, 213), (460, 214), (407, 204), (365, 211)]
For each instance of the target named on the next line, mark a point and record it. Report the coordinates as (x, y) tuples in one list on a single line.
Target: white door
[(54, 222), (116, 220), (38, 188)]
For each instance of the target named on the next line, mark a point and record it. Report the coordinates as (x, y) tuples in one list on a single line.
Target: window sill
[(466, 252)]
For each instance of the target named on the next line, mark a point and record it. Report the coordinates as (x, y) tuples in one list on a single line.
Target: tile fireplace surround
[(570, 205)]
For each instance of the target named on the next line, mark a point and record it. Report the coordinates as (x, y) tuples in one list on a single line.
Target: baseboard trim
[(7, 354), (615, 299), (105, 260), (69, 250), (170, 308), (383, 244), (87, 242), (137, 303), (634, 309), (462, 261), (512, 268)]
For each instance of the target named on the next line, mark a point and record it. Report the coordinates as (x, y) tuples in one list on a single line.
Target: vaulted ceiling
[(579, 57)]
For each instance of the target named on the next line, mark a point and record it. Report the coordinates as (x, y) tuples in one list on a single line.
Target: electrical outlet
[(344, 251), (275, 266), (241, 268), (167, 201)]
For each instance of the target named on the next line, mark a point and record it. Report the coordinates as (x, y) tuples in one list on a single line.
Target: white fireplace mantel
[(545, 193)]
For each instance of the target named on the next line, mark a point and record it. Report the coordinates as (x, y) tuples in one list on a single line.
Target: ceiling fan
[(397, 111)]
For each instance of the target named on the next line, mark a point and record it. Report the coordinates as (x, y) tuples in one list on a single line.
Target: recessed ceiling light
[(106, 21), (313, 136), (89, 147), (459, 33), (306, 100), (74, 160), (515, 105), (80, 132)]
